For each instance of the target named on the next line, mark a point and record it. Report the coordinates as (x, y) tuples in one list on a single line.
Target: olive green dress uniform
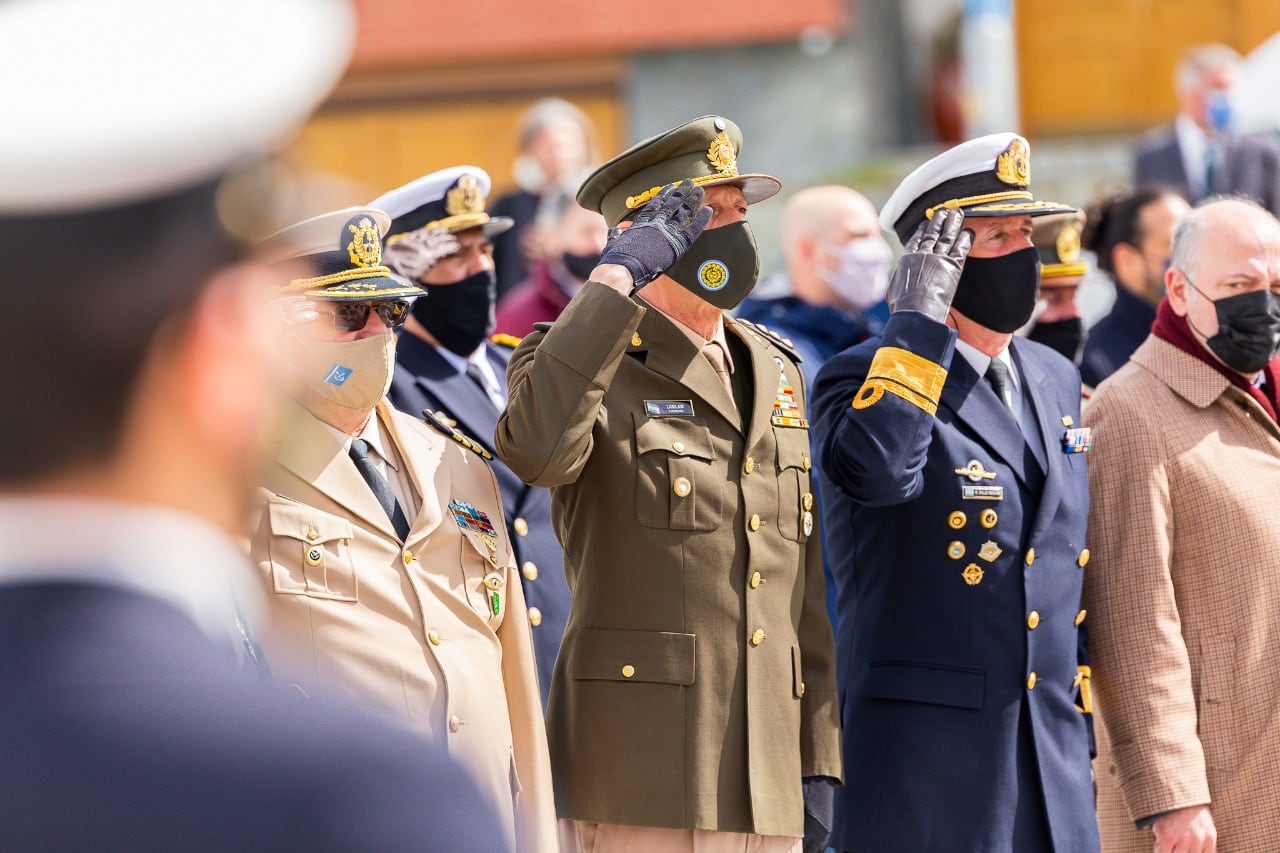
[(410, 628), (695, 686)]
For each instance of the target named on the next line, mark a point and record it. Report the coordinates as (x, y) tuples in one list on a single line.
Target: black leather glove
[(661, 232), (819, 812), (926, 276)]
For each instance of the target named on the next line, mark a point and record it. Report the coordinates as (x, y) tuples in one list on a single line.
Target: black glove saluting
[(926, 276), (662, 231)]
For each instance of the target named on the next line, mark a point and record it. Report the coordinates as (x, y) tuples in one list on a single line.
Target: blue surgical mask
[(1220, 110)]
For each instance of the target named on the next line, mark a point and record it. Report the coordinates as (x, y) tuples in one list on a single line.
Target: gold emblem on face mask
[(365, 244), (1013, 166), (1068, 244), (721, 155), (466, 197)]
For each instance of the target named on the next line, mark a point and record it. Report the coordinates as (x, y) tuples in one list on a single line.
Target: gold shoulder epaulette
[(505, 340), (774, 338), (445, 425)]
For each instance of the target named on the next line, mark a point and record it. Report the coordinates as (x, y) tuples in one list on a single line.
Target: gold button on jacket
[(664, 582)]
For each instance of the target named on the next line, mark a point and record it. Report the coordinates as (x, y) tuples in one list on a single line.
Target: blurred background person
[(1201, 153), (1059, 325), (135, 708), (837, 270), (557, 150), (570, 239), (445, 363), (1129, 235)]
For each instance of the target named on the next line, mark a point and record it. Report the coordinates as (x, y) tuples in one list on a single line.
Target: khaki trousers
[(578, 836)]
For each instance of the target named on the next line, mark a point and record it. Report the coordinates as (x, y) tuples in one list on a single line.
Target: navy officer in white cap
[(954, 458), (380, 541), (142, 369), (449, 365)]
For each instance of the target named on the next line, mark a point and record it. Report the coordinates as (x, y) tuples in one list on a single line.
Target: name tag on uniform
[(982, 493), (668, 408)]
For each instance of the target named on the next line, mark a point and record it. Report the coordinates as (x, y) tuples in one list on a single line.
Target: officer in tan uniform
[(694, 692), (381, 541)]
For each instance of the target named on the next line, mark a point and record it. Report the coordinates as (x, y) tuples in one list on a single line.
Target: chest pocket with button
[(796, 509), (675, 486), (311, 552)]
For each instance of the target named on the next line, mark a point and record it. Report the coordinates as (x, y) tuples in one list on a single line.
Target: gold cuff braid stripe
[(911, 377)]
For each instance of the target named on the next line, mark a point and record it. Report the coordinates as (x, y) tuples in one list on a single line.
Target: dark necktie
[(381, 488), (998, 376), (477, 377)]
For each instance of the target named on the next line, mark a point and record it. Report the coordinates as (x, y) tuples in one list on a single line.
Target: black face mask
[(721, 266), (1063, 336), (580, 266), (999, 293), (459, 315), (1248, 329)]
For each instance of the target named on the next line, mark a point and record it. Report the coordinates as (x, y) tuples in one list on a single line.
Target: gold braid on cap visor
[(972, 200), (338, 278), (635, 201)]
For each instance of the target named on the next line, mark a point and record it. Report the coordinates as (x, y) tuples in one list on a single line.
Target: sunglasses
[(352, 316)]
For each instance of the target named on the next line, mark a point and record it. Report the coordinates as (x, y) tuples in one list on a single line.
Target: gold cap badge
[(1068, 244), (721, 155), (466, 197), (364, 247), (1013, 165)]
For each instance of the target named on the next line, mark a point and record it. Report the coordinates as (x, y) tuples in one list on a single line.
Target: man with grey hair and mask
[(1203, 152), (1183, 590), (694, 694)]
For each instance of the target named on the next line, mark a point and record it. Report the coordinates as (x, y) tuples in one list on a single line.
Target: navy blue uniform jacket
[(124, 727), (948, 604), (424, 380)]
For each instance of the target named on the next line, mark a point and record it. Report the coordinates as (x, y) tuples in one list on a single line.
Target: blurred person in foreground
[(380, 539), (449, 370), (693, 703), (1202, 153), (1129, 235), (837, 269), (557, 148), (570, 240), (1183, 591), (956, 518), (135, 709), (1059, 325)]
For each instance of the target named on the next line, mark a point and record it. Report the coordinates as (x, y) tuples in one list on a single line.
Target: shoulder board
[(774, 338), (505, 340), (443, 423)]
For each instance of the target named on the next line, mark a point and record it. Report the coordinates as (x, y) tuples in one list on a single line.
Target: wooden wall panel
[(1107, 65)]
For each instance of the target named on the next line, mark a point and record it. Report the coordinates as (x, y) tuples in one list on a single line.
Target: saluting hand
[(928, 272), (662, 231), (413, 255)]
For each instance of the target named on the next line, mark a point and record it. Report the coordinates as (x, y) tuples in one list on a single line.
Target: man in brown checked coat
[(694, 694), (1183, 591)]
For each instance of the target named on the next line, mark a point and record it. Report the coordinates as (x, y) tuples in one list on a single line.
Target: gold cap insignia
[(364, 246), (1013, 166), (1068, 244), (721, 155), (466, 197)]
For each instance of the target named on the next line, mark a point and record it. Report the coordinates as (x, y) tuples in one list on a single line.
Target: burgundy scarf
[(1174, 329)]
